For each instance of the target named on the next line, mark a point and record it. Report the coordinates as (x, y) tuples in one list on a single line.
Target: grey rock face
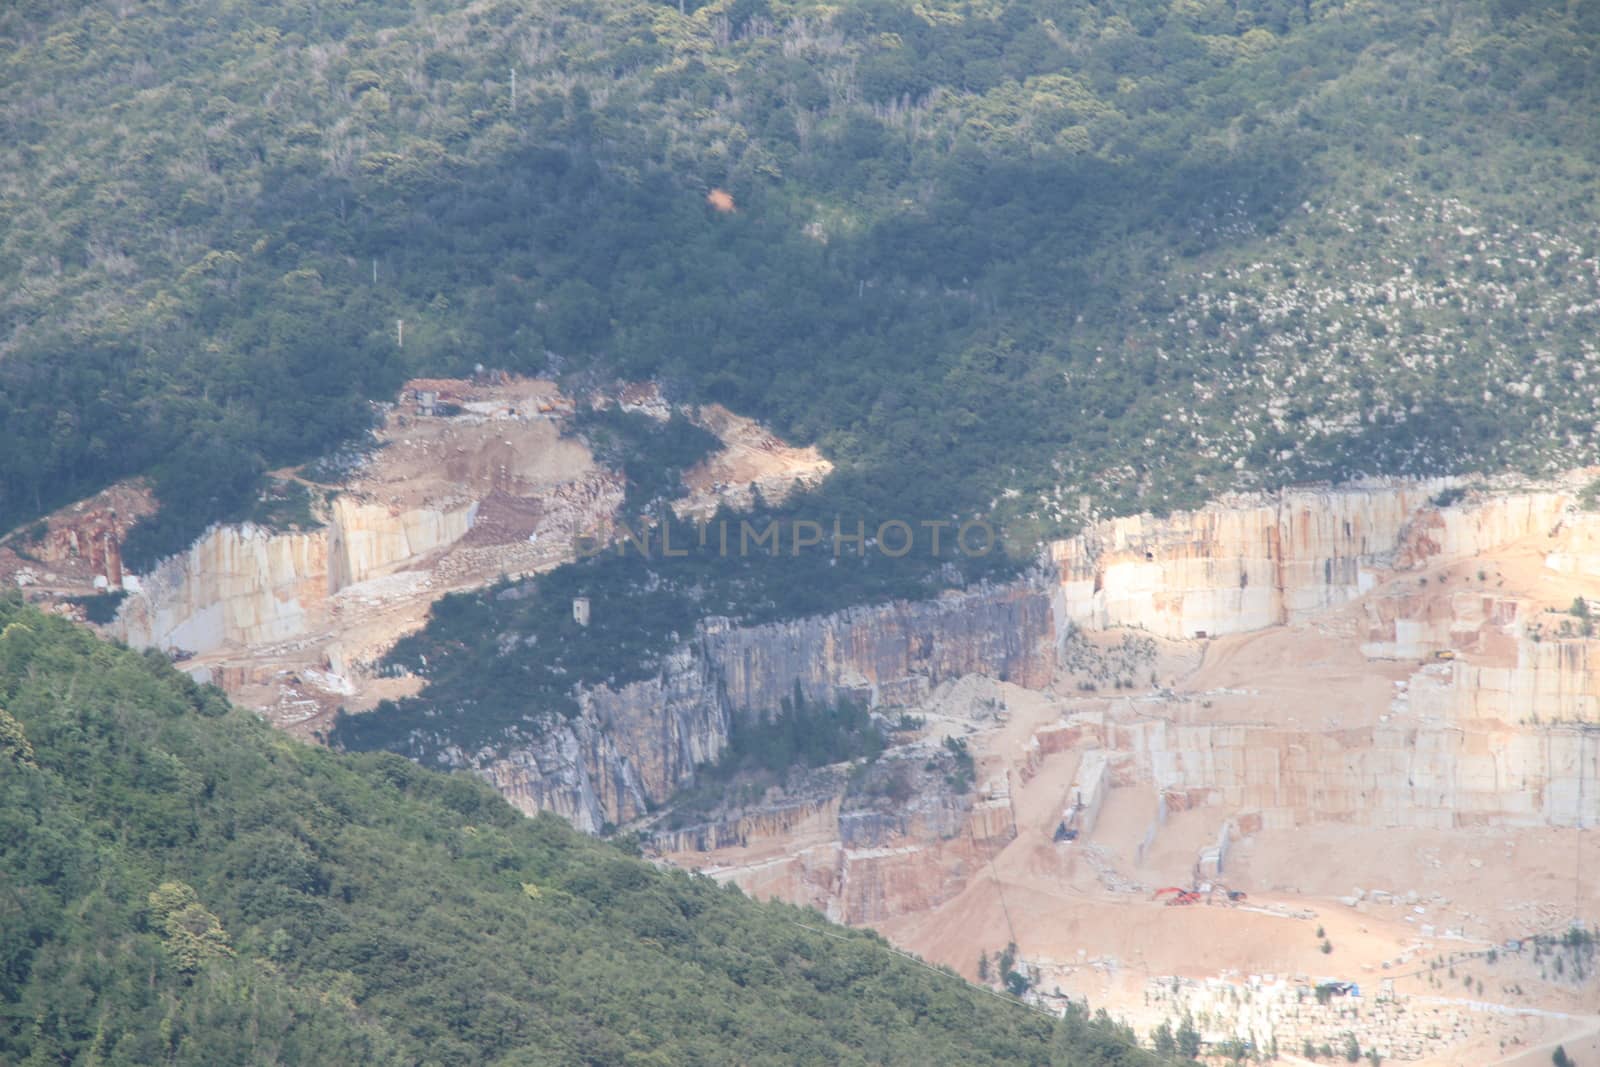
[(632, 747)]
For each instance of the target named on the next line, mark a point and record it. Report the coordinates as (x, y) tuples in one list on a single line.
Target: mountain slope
[(182, 885), (989, 256)]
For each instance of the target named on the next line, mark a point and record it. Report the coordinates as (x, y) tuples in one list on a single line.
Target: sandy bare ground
[(1389, 903), (1579, 1037), (752, 459)]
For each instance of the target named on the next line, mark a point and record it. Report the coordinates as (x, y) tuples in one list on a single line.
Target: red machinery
[(1177, 896)]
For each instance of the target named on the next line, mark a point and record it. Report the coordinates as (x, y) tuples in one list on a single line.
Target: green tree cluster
[(181, 884)]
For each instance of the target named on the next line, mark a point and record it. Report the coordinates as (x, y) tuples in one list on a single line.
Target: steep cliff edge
[(1239, 564), (241, 585), (867, 841), (1385, 656), (1248, 562), (631, 748)]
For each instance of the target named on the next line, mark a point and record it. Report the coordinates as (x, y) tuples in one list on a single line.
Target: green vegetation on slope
[(651, 455), (180, 884), (987, 255)]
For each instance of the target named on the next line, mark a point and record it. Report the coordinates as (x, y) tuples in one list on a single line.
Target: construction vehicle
[(1444, 654), (1177, 897), (1233, 896)]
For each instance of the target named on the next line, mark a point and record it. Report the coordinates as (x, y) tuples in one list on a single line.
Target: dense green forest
[(181, 884), (991, 256)]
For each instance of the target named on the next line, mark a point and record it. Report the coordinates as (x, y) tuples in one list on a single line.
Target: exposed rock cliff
[(1240, 564), (856, 858), (633, 747), (1482, 524), (627, 750), (237, 584), (364, 539), (1266, 562), (891, 654), (1552, 681), (1403, 774), (1492, 729), (468, 481), (1245, 563)]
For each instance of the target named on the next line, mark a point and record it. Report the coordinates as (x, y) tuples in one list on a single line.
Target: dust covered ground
[(1453, 932)]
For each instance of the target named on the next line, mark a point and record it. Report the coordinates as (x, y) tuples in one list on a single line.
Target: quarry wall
[(1506, 731), (247, 585), (633, 746), (1246, 563), (1472, 752), (868, 866), (1439, 776), (239, 584), (1240, 564)]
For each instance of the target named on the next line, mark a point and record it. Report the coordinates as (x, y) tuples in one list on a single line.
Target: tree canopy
[(990, 257), (181, 884)]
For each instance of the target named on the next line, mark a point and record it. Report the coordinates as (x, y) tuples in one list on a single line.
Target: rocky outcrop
[(1258, 563), (1415, 625), (572, 770), (627, 750), (919, 867), (1240, 564), (892, 654), (237, 584), (1473, 528), (1551, 681), (365, 539), (814, 816), (89, 534), (247, 585), (1246, 563), (632, 747)]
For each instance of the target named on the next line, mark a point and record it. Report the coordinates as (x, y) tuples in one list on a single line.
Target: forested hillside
[(180, 884), (988, 255)]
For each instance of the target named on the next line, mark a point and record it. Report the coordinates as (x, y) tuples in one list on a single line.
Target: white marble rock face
[(244, 585), (1247, 564)]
